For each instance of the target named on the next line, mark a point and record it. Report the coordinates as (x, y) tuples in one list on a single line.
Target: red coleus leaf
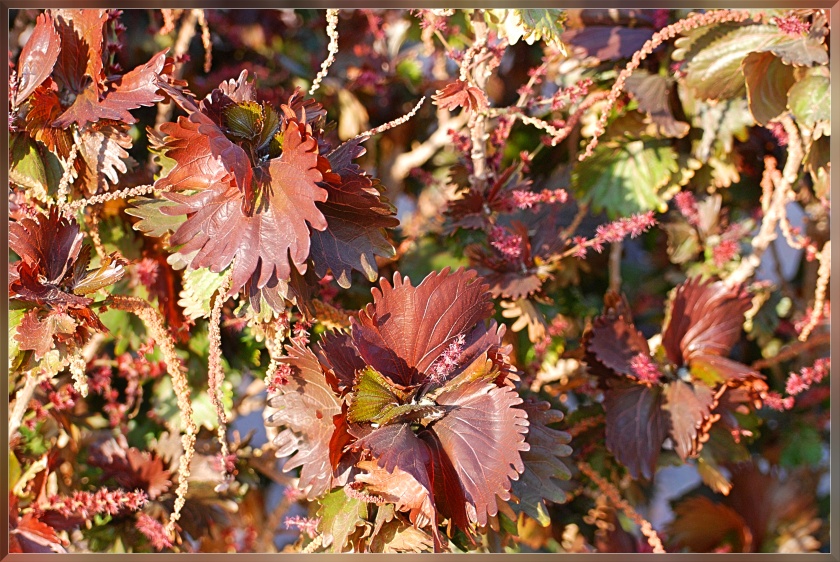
[(673, 393), (687, 410), (253, 204), (543, 467), (436, 412), (461, 94), (29, 534), (469, 210), (39, 334), (219, 229), (483, 436), (52, 242), (401, 489), (406, 329), (356, 219), (37, 58), (44, 108), (131, 468), (635, 426), (79, 62), (706, 318), (132, 90), (306, 407)]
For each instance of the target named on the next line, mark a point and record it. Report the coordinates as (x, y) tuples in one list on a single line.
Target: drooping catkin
[(110, 196), (693, 21), (215, 371), (154, 322), (332, 50), (615, 498), (823, 276)]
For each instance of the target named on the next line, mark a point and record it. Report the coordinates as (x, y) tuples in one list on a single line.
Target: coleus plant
[(258, 189), (53, 284), (417, 407), (680, 388), (68, 92)]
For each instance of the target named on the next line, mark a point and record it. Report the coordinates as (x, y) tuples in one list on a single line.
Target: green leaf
[(802, 51), (16, 312), (810, 99), (376, 399), (546, 25), (339, 516), (199, 287), (623, 179), (153, 222), (26, 168), (768, 80), (14, 471), (801, 446), (715, 72)]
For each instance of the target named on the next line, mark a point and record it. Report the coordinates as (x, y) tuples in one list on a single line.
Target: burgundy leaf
[(405, 329), (635, 427), (44, 108), (306, 406), (340, 360), (37, 57), (79, 62), (134, 89), (706, 319), (204, 157), (356, 220), (38, 335), (461, 94), (543, 467), (687, 408), (51, 241), (219, 229), (483, 434), (401, 489), (131, 468), (613, 342)]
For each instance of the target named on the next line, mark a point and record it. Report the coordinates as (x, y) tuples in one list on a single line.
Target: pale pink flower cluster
[(448, 360), (509, 245), (523, 199), (808, 376), (308, 525), (792, 25), (154, 531), (645, 369), (87, 504)]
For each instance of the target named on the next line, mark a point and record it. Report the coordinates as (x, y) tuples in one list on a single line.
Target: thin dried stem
[(478, 121), (775, 208), (182, 44), (92, 221), (22, 398), (69, 174), (332, 50), (615, 266), (665, 34), (792, 351), (155, 323), (391, 124), (823, 276), (205, 40), (614, 496), (215, 372), (111, 196)]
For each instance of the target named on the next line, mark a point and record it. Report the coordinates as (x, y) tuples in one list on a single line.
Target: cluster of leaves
[(620, 221)]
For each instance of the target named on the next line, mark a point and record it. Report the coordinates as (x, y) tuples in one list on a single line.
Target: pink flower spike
[(645, 369)]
